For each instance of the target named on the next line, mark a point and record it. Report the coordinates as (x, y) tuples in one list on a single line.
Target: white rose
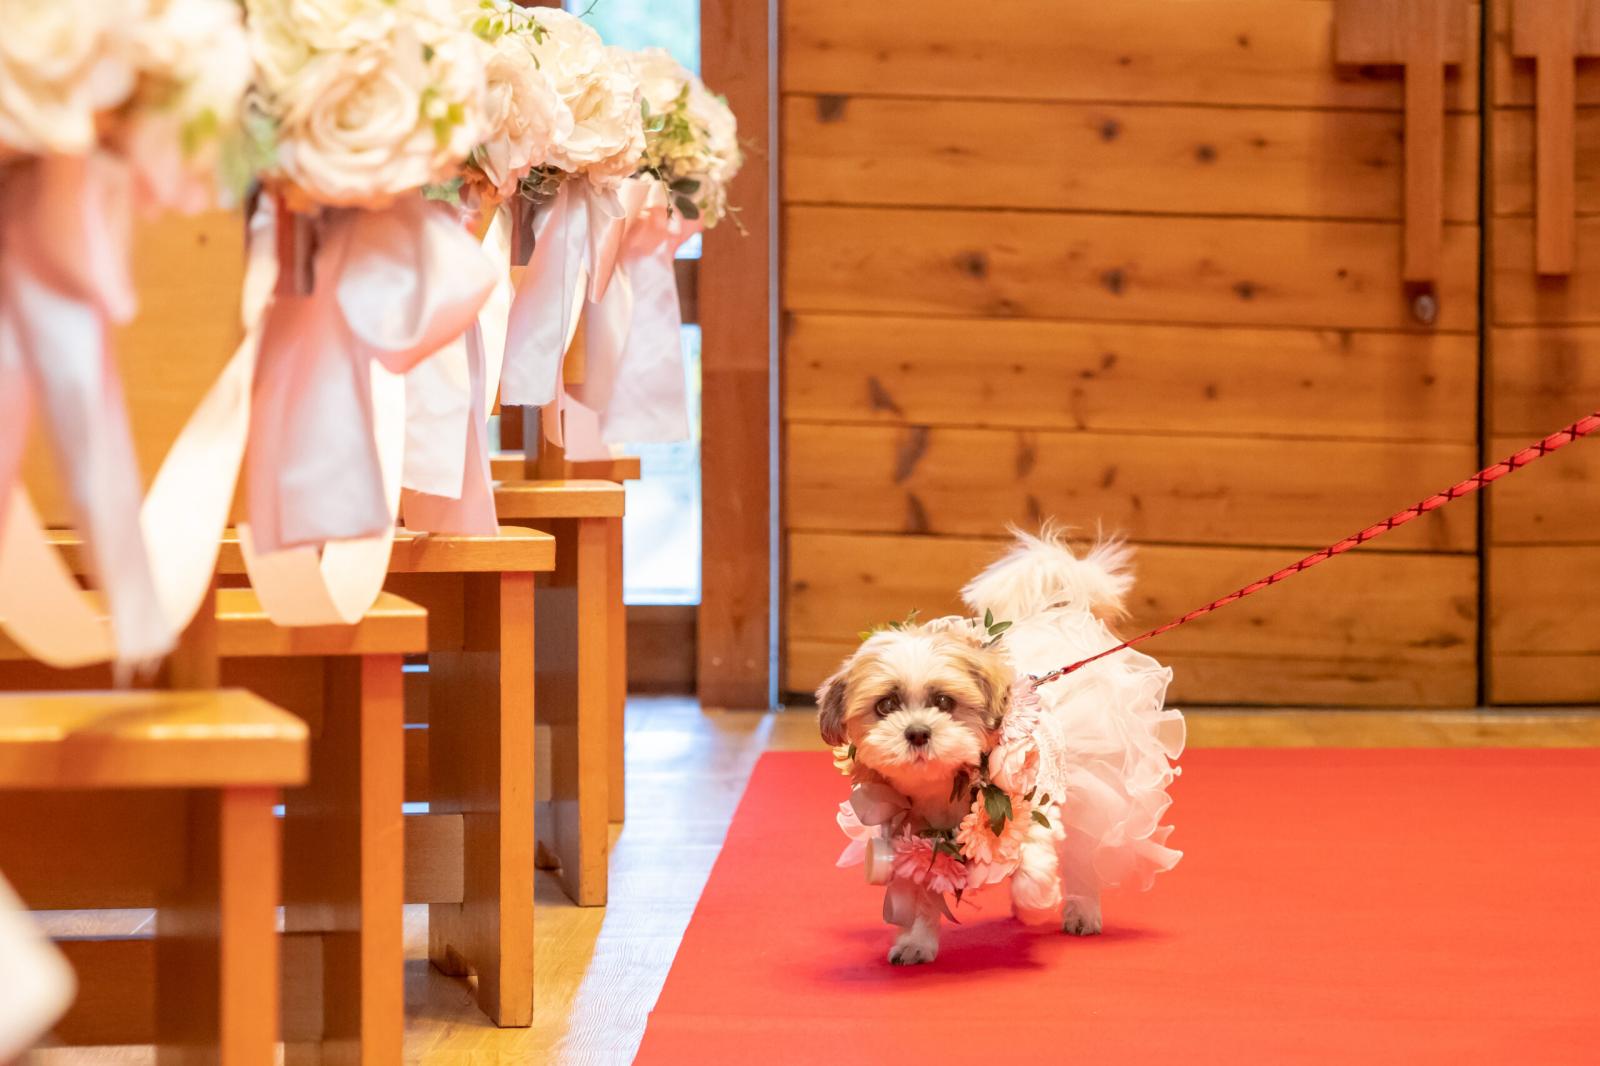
[(61, 63), (525, 118), (661, 78), (599, 87), (708, 152), (360, 126)]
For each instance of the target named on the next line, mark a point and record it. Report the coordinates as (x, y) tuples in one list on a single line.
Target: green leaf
[(997, 805), (685, 185), (988, 619), (998, 628), (447, 192), (688, 209), (1039, 817)]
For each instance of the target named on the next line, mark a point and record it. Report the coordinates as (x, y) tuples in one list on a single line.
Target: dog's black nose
[(917, 735)]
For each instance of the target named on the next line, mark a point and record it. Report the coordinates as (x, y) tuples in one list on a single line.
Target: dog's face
[(919, 704)]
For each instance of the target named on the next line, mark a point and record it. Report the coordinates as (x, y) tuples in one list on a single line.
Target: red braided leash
[(1538, 450)]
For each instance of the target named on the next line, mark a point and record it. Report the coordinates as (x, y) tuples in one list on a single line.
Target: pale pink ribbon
[(446, 484), (64, 226), (634, 389), (38, 983), (392, 287), (577, 237)]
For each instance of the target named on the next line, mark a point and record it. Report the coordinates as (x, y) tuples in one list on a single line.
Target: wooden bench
[(207, 984), (576, 669), (469, 743), (343, 871), (549, 465)]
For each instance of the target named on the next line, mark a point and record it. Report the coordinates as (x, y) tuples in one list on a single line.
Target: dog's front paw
[(913, 949), (1080, 917)]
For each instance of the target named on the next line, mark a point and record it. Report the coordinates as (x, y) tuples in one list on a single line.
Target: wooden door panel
[(1273, 53), (1174, 490), (1109, 376), (840, 584), (1541, 372), (1014, 264), (1112, 157), (1137, 263)]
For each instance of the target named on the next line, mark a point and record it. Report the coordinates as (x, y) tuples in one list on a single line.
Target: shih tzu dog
[(964, 772)]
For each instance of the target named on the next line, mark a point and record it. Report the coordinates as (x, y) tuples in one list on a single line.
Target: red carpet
[(1333, 906)]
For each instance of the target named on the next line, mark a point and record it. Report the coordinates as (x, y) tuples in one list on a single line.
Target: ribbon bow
[(577, 237), (329, 419), (634, 389)]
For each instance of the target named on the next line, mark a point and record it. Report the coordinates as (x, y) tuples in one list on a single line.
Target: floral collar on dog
[(987, 844)]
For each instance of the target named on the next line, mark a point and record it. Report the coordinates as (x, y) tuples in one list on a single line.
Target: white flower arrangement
[(160, 82), (598, 87), (691, 137), (367, 99)]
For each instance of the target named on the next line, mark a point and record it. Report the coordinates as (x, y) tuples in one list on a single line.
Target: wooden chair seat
[(192, 778), (573, 498), (343, 880), (471, 762), (94, 740), (511, 466), (393, 626), (514, 548)]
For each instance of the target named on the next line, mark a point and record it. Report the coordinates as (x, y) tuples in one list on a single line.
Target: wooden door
[(1136, 264), (1542, 371)]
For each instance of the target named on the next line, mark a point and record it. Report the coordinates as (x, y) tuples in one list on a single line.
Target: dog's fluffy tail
[(1043, 571)]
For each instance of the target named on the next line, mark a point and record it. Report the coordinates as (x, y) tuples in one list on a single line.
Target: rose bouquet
[(365, 102), (567, 201), (635, 388), (102, 107)]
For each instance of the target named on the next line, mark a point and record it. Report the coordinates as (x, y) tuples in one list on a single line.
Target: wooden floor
[(599, 971)]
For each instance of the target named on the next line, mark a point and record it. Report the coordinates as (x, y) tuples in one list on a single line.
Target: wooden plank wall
[(1542, 372), (1135, 263)]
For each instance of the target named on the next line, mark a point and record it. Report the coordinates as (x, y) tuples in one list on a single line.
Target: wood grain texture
[(1547, 32), (392, 625), (1514, 185), (344, 866), (1513, 79), (616, 672), (512, 465), (481, 766), (516, 501), (571, 676), (1572, 678), (1113, 377), (1521, 296), (737, 309), (1114, 267), (1250, 52), (1200, 490), (840, 584), (1556, 501), (216, 949), (1541, 378), (111, 740), (1544, 600), (1231, 680), (1111, 157), (187, 273)]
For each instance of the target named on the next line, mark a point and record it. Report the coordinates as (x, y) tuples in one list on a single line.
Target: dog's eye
[(944, 703), (886, 706)]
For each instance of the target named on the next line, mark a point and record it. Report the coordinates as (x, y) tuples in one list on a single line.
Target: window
[(661, 538)]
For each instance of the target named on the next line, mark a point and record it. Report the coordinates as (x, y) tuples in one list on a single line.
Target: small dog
[(922, 714)]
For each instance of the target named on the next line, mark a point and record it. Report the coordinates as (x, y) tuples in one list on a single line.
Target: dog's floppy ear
[(992, 678), (830, 710)]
